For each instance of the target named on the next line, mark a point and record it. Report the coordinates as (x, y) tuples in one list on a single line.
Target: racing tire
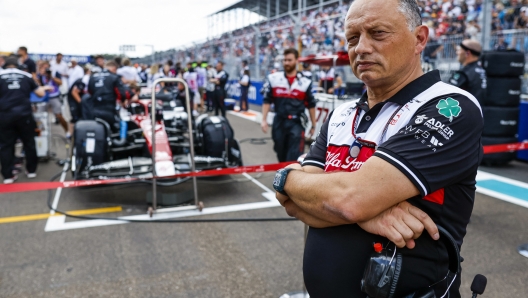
[(503, 92), (498, 159), (500, 121), (503, 63)]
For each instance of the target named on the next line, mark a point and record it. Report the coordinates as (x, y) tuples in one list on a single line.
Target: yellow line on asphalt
[(31, 217)]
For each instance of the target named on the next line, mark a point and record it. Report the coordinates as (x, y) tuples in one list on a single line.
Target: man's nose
[(364, 46)]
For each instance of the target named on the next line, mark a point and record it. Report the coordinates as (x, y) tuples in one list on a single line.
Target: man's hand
[(401, 224), (312, 132), (264, 126)]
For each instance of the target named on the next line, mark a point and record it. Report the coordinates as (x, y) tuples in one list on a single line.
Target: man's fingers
[(414, 224), (410, 244), (404, 230), (393, 235), (428, 223)]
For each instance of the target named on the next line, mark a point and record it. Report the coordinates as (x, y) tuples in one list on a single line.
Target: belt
[(289, 117)]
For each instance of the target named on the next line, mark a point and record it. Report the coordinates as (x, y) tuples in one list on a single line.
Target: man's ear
[(422, 35)]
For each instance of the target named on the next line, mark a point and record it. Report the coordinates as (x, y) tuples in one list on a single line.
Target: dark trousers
[(288, 138), (11, 128), (219, 102), (209, 96), (244, 99)]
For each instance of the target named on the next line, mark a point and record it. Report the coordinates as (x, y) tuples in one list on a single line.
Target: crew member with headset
[(106, 89), (389, 167), (471, 77), (291, 92), (16, 118)]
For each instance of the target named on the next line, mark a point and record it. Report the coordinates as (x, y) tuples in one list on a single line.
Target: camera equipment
[(381, 275)]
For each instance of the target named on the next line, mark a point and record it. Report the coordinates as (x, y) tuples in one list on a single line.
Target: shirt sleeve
[(267, 92), (32, 84), (440, 145), (32, 67), (310, 99), (317, 155)]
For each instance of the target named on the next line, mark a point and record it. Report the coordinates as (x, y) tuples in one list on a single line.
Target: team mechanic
[(402, 159), (291, 92), (106, 89), (75, 94), (16, 119)]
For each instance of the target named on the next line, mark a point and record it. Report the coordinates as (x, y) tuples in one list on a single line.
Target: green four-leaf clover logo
[(449, 108)]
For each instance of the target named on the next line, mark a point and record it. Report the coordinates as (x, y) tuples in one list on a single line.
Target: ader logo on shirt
[(449, 108)]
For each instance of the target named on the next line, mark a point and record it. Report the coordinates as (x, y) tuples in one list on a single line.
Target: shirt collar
[(408, 92)]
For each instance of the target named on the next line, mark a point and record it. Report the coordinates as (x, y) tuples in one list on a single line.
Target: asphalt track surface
[(210, 259)]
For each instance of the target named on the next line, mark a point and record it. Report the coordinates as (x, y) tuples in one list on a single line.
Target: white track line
[(55, 221), (58, 223), (485, 191), (59, 190)]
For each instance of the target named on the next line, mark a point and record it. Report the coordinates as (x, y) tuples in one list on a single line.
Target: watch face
[(276, 180)]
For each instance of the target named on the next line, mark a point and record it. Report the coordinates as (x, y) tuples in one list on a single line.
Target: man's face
[(100, 62), (289, 63), (59, 58), (380, 44), (219, 67), (20, 53), (461, 55)]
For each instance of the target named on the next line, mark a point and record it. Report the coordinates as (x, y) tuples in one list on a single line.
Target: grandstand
[(316, 27)]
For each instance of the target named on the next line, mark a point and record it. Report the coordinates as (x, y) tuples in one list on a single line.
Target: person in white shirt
[(128, 73), (75, 72), (59, 66)]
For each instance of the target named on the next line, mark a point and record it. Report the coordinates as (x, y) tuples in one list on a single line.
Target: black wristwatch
[(280, 180)]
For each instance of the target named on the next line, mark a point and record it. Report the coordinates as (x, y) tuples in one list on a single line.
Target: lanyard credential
[(358, 143)]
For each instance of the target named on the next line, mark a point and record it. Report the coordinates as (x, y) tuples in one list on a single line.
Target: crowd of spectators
[(321, 30)]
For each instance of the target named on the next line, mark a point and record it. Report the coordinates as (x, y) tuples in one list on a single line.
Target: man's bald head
[(468, 51), (473, 45)]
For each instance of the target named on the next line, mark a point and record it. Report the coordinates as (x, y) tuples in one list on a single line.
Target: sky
[(80, 27)]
